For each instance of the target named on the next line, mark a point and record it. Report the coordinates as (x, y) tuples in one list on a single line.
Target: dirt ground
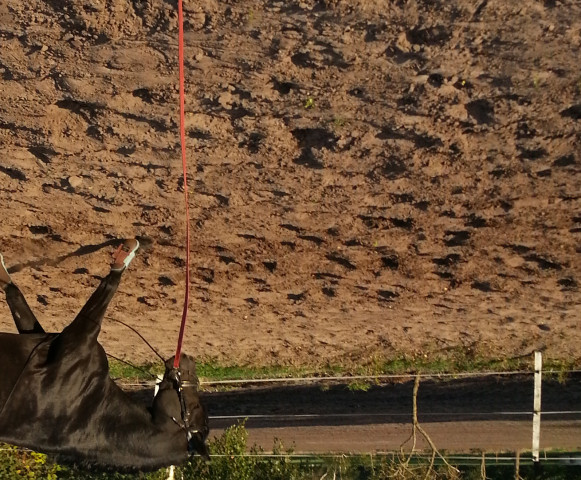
[(368, 178)]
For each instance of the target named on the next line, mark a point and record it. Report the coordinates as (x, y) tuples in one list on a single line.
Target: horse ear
[(169, 363)]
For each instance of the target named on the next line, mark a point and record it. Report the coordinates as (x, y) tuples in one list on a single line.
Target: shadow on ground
[(474, 399)]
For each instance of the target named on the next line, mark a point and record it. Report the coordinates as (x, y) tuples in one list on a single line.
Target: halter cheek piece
[(175, 377)]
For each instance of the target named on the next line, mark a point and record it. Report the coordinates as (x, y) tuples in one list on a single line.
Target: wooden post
[(537, 406)]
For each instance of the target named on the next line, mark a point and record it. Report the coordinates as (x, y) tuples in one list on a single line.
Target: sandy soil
[(369, 178)]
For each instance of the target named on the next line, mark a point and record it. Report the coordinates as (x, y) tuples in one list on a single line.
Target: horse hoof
[(124, 255)]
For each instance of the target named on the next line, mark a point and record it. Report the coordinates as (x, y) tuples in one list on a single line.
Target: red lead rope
[(176, 362)]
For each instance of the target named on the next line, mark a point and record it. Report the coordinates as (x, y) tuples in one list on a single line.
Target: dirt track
[(370, 178)]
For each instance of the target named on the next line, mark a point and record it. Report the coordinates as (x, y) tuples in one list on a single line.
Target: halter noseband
[(175, 376)]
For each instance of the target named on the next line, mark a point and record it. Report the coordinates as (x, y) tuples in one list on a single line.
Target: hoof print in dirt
[(144, 94), (13, 173), (420, 140), (373, 30), (483, 286), (524, 130), (481, 110), (227, 259), (315, 138), (390, 261), (543, 262), (206, 274), (532, 153), (284, 88), (436, 79), (324, 56), (297, 297), (42, 300), (101, 209), (311, 140), (126, 150), (308, 159), (43, 153), (547, 172), (291, 227), (341, 260), (304, 60), (565, 161), (199, 134), (270, 265), (405, 223), (387, 295), (358, 92), (391, 168), (352, 242), (568, 284), (250, 236), (262, 284), (517, 248), (40, 229), (150, 302), (329, 292), (223, 200), (573, 112), (476, 221), (436, 35), (313, 239), (447, 261), (332, 277), (456, 238), (374, 222), (166, 281), (252, 142)]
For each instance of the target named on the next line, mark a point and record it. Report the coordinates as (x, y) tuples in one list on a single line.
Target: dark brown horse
[(56, 395)]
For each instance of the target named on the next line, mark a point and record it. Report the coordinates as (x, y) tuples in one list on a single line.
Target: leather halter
[(175, 376)]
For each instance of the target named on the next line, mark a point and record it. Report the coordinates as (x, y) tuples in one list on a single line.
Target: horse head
[(178, 399)]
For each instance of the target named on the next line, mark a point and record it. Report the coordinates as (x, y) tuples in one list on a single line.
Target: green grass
[(452, 361), (461, 361), (215, 371), (231, 462), (118, 369)]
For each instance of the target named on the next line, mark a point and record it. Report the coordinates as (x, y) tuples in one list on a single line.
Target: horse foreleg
[(88, 321)]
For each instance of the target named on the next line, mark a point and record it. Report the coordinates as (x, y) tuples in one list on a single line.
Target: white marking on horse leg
[(171, 473)]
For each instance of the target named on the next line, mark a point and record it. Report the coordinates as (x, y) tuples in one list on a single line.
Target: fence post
[(537, 406)]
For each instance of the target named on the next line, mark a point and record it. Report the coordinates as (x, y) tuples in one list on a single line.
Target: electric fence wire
[(348, 379)]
